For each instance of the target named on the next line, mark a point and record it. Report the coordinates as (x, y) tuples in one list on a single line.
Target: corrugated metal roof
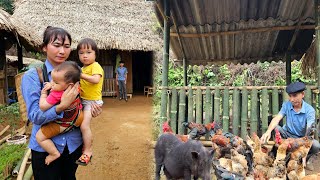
[(207, 16)]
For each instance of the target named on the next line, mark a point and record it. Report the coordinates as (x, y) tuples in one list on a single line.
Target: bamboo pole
[(23, 165), (225, 118), (285, 97), (288, 68), (244, 114), (254, 112), (275, 102), (313, 88), (265, 110), (173, 112), (28, 174), (15, 171), (190, 105), (236, 112), (199, 106), (208, 111), (4, 130), (317, 32), (182, 111), (217, 106)]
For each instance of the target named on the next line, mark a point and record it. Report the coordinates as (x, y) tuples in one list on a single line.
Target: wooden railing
[(109, 87), (240, 110)]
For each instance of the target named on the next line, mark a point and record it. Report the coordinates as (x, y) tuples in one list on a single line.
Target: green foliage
[(7, 5), (9, 157), (10, 114)]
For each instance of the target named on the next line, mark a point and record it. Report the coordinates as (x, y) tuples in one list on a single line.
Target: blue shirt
[(31, 89), (122, 73), (297, 122)]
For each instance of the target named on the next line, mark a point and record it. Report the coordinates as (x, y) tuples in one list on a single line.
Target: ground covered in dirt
[(121, 144)]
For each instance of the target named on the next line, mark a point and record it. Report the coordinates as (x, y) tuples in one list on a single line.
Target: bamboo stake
[(244, 114), (265, 110), (173, 112), (285, 97), (190, 105), (23, 165), (236, 112), (308, 95), (254, 112), (225, 118), (4, 130), (208, 110), (182, 111), (275, 102), (199, 106), (217, 106)]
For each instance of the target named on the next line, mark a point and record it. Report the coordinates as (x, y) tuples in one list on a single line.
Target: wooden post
[(265, 110), (208, 117), (199, 106), (288, 68), (20, 60), (190, 105), (254, 112), (165, 62), (275, 102), (236, 112), (182, 111), (307, 96), (217, 106), (225, 118), (173, 112), (244, 113)]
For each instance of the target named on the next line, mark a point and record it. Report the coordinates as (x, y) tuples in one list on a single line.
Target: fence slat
[(275, 102), (236, 112), (190, 105), (199, 106), (285, 98), (225, 117), (254, 112), (173, 112), (244, 113), (208, 107), (182, 111), (217, 106), (265, 110), (163, 109)]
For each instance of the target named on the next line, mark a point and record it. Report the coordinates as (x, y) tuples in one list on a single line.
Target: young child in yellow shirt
[(91, 91)]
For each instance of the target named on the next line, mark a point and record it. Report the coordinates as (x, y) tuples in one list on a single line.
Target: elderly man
[(300, 118)]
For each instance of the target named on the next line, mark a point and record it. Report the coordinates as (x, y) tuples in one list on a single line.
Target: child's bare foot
[(51, 157)]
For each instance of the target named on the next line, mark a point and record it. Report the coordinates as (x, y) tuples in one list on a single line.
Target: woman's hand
[(96, 109), (47, 86), (68, 96)]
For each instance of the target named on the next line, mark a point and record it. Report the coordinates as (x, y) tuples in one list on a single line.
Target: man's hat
[(295, 87)]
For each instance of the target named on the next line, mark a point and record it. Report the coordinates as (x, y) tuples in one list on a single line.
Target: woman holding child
[(57, 46)]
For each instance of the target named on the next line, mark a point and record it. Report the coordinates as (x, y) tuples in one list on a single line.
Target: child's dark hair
[(86, 43), (121, 62), (72, 69), (53, 33)]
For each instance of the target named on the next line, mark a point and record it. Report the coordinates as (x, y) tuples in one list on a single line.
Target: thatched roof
[(26, 61), (238, 31), (14, 29), (113, 24), (309, 62)]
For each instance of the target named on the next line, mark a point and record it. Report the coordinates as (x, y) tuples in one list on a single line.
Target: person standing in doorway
[(121, 78)]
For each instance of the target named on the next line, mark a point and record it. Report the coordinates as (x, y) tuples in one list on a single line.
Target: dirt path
[(122, 135)]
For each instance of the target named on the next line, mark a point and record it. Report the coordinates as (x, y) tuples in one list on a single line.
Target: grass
[(9, 157)]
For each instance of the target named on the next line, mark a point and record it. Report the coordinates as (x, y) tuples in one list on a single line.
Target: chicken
[(166, 128), (220, 140), (295, 169), (226, 163), (262, 162), (278, 169), (312, 177), (239, 163)]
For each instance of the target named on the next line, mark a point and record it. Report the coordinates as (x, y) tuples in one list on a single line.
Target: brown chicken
[(166, 128), (278, 169), (220, 140), (239, 163), (312, 177)]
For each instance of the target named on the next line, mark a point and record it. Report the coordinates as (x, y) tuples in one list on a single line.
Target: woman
[(56, 45)]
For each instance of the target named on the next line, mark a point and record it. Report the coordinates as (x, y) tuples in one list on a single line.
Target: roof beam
[(255, 30)]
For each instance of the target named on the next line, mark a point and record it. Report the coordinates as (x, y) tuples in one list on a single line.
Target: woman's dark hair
[(73, 71), (121, 62), (87, 43), (53, 33)]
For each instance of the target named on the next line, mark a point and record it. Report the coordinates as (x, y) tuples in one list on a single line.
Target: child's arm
[(44, 105), (95, 79)]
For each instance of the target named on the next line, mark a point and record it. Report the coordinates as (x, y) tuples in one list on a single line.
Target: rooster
[(166, 128)]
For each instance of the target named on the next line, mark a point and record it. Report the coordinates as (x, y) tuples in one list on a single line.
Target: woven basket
[(22, 104)]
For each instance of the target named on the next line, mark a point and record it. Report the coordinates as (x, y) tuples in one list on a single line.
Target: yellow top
[(90, 91)]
